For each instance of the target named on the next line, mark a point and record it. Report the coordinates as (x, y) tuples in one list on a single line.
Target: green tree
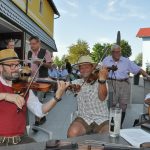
[(100, 50), (63, 58), (138, 59), (75, 51), (57, 61), (125, 48)]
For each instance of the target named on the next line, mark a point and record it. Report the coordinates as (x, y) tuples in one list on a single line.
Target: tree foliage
[(125, 48), (138, 59), (58, 61), (75, 51), (99, 51)]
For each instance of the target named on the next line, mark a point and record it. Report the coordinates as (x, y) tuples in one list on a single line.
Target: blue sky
[(99, 21)]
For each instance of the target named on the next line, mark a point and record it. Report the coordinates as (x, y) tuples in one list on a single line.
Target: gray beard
[(10, 77)]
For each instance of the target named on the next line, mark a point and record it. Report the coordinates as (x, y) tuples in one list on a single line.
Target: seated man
[(91, 100), (147, 101), (13, 122)]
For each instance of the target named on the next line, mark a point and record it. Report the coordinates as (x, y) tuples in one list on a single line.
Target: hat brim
[(9, 60), (76, 66)]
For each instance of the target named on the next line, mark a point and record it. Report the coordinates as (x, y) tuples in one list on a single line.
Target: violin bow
[(100, 60), (41, 63)]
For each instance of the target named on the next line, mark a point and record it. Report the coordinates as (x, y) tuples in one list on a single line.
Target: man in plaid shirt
[(92, 101)]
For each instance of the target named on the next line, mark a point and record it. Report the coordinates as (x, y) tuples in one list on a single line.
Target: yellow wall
[(21, 4), (44, 20)]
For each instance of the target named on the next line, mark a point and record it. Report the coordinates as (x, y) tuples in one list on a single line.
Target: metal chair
[(33, 127)]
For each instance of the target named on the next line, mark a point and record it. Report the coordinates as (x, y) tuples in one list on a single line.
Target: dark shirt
[(68, 67)]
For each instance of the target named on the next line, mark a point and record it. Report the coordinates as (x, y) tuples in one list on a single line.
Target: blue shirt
[(125, 66), (64, 73), (53, 73)]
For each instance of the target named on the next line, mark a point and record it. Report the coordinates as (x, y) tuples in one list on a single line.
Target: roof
[(54, 7), (143, 32)]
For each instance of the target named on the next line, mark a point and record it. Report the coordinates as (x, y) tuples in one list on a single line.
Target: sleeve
[(147, 96), (34, 105), (104, 62), (133, 68), (77, 81), (48, 56), (107, 91)]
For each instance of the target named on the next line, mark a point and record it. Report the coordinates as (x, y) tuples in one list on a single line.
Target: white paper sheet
[(135, 136)]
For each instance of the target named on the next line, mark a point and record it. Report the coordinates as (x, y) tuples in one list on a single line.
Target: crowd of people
[(92, 97)]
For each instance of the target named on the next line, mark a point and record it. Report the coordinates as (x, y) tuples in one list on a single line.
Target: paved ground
[(58, 120)]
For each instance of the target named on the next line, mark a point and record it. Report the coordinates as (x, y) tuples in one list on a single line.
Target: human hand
[(16, 99), (147, 101), (37, 62), (62, 86), (103, 73)]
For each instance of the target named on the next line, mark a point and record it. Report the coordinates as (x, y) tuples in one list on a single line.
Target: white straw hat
[(84, 60)]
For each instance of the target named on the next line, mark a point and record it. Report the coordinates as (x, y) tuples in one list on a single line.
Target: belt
[(10, 140), (120, 80)]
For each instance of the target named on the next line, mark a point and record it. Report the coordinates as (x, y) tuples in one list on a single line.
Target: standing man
[(13, 122), (36, 54), (91, 100), (68, 66), (119, 84)]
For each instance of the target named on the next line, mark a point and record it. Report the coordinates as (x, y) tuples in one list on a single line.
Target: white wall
[(146, 52)]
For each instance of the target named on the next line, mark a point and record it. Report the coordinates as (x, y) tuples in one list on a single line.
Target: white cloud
[(111, 5), (72, 3), (62, 49), (118, 10), (63, 11), (104, 40), (68, 11)]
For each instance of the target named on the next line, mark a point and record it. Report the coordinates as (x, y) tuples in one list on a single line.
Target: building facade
[(144, 33), (20, 19)]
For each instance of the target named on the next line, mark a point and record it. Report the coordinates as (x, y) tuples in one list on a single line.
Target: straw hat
[(84, 60), (8, 55)]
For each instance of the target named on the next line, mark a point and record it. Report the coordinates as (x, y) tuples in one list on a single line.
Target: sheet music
[(135, 136)]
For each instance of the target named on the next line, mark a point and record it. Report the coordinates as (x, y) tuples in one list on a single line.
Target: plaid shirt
[(90, 107)]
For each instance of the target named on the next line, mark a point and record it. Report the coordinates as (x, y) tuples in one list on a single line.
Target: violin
[(40, 84), (95, 74), (20, 87)]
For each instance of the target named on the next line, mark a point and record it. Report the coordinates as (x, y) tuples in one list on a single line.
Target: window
[(41, 7)]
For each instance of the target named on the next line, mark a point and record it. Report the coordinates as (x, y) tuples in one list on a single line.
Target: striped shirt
[(90, 107)]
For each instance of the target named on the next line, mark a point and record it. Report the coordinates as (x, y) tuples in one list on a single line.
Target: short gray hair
[(115, 46)]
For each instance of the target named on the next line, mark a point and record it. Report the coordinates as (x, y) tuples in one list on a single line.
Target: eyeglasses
[(12, 66), (116, 52)]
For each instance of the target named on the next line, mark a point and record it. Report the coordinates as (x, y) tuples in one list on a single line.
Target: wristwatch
[(101, 81), (57, 99)]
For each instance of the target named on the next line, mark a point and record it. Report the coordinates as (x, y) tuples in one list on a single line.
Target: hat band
[(85, 63), (5, 59)]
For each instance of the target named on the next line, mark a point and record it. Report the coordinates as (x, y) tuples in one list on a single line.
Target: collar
[(121, 58), (5, 83), (36, 51)]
